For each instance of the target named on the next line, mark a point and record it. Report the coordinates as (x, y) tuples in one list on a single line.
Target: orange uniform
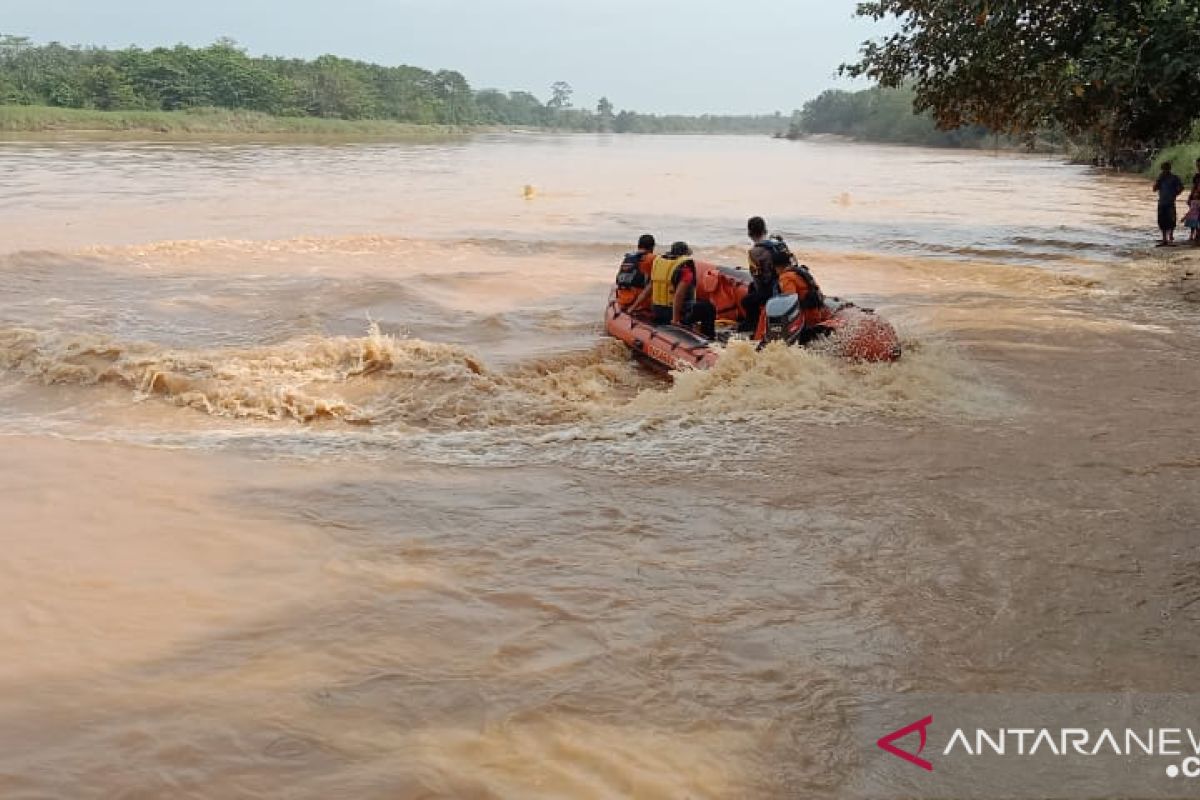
[(627, 296), (790, 282)]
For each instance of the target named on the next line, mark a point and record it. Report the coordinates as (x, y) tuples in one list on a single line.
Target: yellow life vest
[(662, 279)]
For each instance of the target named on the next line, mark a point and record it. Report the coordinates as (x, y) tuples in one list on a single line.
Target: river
[(319, 478)]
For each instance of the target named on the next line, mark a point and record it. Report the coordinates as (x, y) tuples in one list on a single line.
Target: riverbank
[(38, 121), (45, 120), (1182, 274), (1182, 156)]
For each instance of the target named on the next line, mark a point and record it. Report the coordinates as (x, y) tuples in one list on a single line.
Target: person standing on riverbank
[(1169, 187), (1192, 220)]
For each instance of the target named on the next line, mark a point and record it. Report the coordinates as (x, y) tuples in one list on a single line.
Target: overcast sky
[(674, 56)]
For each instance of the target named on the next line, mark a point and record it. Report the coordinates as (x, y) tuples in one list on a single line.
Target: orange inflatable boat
[(843, 329)]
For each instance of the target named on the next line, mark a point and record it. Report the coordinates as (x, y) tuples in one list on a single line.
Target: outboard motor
[(785, 320)]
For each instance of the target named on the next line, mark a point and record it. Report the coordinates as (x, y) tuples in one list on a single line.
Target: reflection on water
[(319, 480)]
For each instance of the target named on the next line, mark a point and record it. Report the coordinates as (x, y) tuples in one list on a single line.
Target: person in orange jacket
[(634, 273), (777, 272)]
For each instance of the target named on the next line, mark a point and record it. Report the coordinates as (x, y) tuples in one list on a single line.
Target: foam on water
[(393, 382)]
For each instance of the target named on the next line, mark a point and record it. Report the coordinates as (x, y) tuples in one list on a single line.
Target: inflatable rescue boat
[(842, 329)]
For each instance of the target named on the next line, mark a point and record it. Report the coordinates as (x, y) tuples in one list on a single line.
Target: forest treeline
[(225, 76), (879, 115), (887, 115)]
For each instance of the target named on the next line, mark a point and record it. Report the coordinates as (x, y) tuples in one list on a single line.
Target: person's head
[(1166, 167), (756, 228), (781, 256), (646, 243), (679, 249)]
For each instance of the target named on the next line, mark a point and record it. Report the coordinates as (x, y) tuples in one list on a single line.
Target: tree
[(626, 122), (224, 75), (11, 46), (526, 109), (105, 89), (876, 115), (163, 77), (409, 94), (492, 106), (337, 90), (455, 97), (1115, 73), (560, 95), (604, 114)]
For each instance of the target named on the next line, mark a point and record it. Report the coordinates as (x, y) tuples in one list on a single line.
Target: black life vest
[(630, 275), (779, 256)]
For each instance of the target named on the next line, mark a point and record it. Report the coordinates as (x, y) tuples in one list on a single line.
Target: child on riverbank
[(1192, 220)]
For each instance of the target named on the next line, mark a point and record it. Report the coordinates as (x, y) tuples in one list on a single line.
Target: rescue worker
[(777, 272), (672, 292), (762, 269), (634, 274), (795, 278)]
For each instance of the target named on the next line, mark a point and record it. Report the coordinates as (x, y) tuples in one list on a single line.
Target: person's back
[(673, 281), (761, 262), (798, 280), (759, 256), (666, 274), (1169, 187), (777, 272), (634, 273)]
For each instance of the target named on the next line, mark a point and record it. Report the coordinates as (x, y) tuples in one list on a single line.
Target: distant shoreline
[(39, 121)]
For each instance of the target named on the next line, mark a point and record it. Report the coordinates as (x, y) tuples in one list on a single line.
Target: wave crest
[(412, 384)]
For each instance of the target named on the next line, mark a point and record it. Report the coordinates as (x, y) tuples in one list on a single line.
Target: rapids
[(318, 478)]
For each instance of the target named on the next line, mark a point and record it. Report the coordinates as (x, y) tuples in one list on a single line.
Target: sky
[(663, 56)]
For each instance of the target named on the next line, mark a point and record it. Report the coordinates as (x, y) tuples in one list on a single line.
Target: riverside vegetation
[(223, 88), (879, 115), (1117, 78)]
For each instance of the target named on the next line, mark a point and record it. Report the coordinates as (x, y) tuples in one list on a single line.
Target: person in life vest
[(777, 271), (634, 274), (765, 285), (795, 278), (672, 292)]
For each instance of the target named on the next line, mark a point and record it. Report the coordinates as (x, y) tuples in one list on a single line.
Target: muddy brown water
[(319, 480)]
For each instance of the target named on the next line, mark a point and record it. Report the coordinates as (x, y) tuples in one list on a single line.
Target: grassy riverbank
[(1181, 156), (42, 119)]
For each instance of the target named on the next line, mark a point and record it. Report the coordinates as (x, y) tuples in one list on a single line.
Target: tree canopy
[(1120, 74), (223, 75), (878, 115)]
